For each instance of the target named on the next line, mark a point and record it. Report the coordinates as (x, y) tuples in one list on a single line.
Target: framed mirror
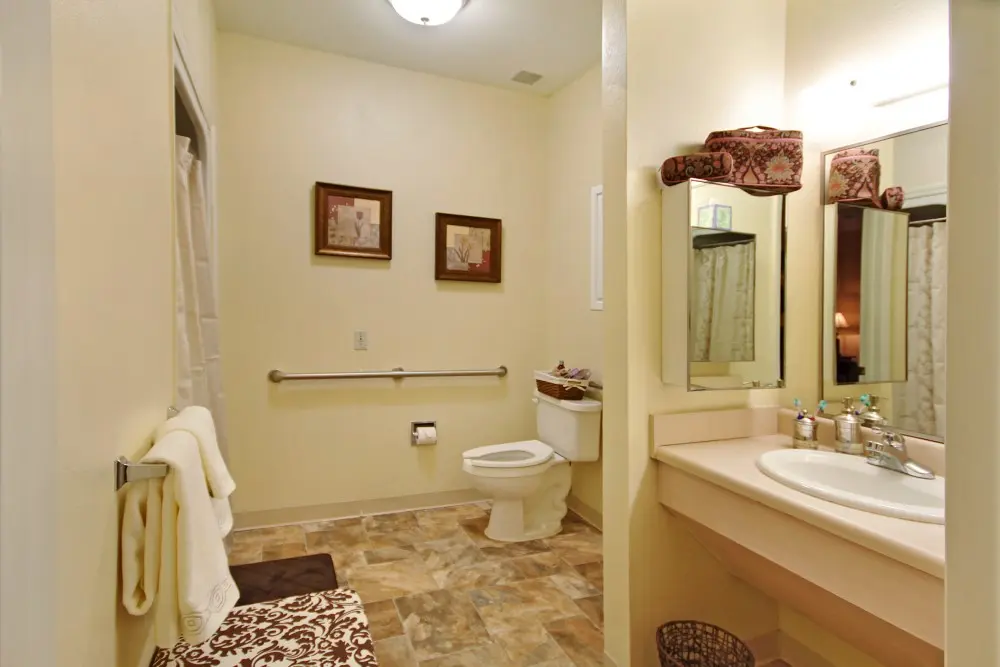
[(727, 246), (884, 277)]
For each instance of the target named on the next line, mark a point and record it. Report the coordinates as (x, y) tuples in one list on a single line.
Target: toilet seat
[(522, 454)]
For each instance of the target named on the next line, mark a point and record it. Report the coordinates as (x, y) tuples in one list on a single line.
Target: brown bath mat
[(277, 579)]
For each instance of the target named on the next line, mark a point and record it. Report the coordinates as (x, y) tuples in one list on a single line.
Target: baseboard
[(797, 654), (766, 648), (280, 517), (586, 512)]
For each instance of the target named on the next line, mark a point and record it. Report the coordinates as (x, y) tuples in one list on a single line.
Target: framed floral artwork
[(467, 248), (353, 222)]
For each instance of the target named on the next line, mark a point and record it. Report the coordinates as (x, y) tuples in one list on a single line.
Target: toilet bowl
[(530, 480)]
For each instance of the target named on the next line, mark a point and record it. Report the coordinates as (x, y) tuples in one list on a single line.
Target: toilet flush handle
[(534, 400)]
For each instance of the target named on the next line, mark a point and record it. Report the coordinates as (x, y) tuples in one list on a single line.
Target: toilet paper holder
[(415, 434)]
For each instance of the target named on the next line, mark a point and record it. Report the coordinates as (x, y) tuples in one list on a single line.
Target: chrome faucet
[(890, 453)]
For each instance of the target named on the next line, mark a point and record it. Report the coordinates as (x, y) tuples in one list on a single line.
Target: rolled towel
[(173, 559), (198, 421)]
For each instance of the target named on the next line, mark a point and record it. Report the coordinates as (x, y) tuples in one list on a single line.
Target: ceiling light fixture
[(428, 12)]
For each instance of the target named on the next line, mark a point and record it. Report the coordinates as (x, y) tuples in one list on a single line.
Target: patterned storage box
[(854, 176), (893, 198), (765, 160), (704, 166)]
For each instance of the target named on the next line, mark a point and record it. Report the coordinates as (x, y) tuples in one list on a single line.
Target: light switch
[(360, 340)]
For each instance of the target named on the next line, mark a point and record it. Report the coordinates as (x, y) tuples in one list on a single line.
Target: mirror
[(884, 277), (734, 245)]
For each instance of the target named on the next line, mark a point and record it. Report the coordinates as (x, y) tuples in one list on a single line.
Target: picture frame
[(352, 221), (468, 248)]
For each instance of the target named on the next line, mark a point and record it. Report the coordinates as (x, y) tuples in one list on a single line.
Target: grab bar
[(277, 376)]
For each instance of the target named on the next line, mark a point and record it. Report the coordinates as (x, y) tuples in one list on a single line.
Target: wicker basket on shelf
[(695, 644), (565, 389)]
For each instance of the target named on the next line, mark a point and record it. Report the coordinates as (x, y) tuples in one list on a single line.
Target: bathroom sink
[(851, 481)]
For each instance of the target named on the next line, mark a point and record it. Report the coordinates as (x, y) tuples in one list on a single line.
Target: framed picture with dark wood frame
[(467, 248), (353, 222)]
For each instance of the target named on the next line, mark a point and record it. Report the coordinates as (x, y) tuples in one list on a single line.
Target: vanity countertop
[(732, 465)]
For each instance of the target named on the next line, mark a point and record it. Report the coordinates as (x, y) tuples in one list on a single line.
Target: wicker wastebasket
[(695, 644)]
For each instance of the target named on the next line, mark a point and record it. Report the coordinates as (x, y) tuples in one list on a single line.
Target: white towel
[(173, 558), (198, 421)]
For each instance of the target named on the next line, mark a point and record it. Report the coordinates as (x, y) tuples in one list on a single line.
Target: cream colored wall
[(973, 491), (834, 651), (112, 102), (573, 331), (657, 105), (291, 117), (30, 504), (901, 48)]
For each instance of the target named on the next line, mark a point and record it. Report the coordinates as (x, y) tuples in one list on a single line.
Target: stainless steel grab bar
[(277, 376)]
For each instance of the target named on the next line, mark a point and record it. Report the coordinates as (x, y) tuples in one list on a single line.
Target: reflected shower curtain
[(920, 401), (877, 249), (722, 303), (199, 370)]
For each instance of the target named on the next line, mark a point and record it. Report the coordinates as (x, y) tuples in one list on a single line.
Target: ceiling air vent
[(527, 78)]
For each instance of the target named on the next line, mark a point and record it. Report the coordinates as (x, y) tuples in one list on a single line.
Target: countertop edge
[(808, 510)]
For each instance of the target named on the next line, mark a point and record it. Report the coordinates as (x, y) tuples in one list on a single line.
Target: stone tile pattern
[(439, 593)]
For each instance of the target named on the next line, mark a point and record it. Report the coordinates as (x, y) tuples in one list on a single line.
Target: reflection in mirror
[(734, 288), (868, 294), (722, 295), (885, 291)]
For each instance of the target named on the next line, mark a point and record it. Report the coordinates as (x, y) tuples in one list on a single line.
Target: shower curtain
[(199, 371), (877, 251), (722, 303), (920, 401)]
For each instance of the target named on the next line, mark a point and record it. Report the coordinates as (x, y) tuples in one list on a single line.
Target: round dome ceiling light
[(428, 12)]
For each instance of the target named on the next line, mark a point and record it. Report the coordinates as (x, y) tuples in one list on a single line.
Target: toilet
[(529, 481)]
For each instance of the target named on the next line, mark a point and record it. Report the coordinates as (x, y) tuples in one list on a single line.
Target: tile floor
[(439, 593)]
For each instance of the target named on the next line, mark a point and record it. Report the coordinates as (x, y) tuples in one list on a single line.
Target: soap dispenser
[(871, 417), (847, 430)]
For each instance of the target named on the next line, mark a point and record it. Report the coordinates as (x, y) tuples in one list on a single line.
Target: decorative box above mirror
[(722, 263), (884, 277)]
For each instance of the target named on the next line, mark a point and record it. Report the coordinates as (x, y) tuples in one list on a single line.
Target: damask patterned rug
[(328, 628), (276, 579)]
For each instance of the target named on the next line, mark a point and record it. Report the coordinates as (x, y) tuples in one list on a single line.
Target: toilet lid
[(510, 455)]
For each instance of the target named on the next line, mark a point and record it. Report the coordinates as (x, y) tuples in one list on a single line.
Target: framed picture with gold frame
[(467, 248), (353, 222)]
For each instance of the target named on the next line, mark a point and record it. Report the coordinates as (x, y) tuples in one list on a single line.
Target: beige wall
[(973, 457), (112, 103), (899, 49), (30, 596), (658, 104), (291, 117), (573, 331)]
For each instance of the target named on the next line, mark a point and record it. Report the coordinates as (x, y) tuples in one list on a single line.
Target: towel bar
[(277, 376), (126, 471)]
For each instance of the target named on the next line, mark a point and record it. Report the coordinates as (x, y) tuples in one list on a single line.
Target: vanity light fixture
[(428, 12), (840, 321)]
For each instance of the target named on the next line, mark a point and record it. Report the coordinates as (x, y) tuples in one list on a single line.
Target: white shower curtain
[(877, 249), (920, 401), (722, 303), (199, 371)]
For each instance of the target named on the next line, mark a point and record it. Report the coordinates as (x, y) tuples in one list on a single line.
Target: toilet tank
[(571, 428)]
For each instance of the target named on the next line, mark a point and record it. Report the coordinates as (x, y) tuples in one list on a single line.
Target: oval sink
[(853, 482)]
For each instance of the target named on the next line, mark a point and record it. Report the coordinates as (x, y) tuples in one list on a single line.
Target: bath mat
[(329, 629), (277, 579)]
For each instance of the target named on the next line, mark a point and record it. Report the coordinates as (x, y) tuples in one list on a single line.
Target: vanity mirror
[(884, 273), (727, 247)]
